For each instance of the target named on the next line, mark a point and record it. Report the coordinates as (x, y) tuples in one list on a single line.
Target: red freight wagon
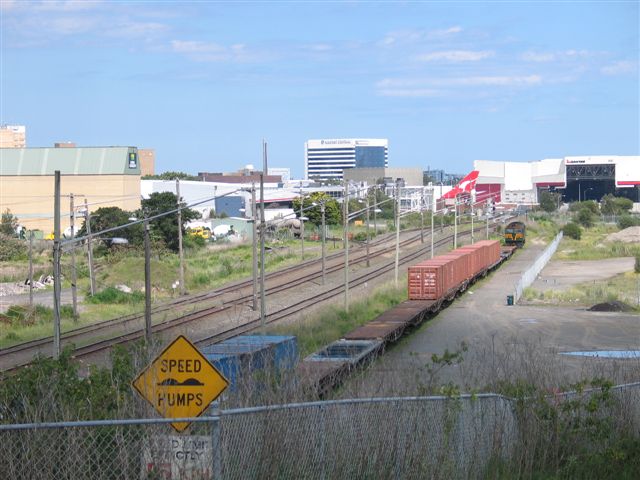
[(432, 279), (435, 278)]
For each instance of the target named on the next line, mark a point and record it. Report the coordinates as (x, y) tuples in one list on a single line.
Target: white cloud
[(456, 56), (445, 32), (214, 52), (411, 92), (501, 81), (620, 68), (409, 36), (432, 87), (540, 57)]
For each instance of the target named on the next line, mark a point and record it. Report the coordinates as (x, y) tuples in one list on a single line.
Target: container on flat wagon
[(431, 279), (283, 348), (492, 251), (475, 256)]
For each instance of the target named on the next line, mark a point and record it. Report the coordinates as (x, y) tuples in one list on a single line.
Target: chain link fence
[(529, 275), (414, 437)]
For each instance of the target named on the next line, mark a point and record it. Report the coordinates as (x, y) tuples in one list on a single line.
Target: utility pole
[(180, 251), (74, 274), (345, 209), (422, 216), (31, 268), (487, 207), (254, 214), (455, 223), (472, 233), (92, 274), (147, 282), (397, 202), (56, 266), (324, 239), (368, 263), (432, 212), (301, 224), (262, 235)]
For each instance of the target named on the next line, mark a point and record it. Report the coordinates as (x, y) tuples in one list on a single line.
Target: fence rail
[(529, 275), (408, 437)]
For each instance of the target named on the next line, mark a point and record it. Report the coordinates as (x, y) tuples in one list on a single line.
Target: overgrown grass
[(112, 295), (592, 246), (330, 324), (624, 288)]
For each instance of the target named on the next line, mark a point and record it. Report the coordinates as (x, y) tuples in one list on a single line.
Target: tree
[(333, 210), (166, 226), (9, 224), (109, 217), (548, 201), (171, 176)]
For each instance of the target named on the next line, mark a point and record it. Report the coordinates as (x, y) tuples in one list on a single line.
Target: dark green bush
[(626, 221), (572, 230), (585, 218), (12, 248), (637, 265), (113, 295)]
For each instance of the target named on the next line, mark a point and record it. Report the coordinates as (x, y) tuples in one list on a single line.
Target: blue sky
[(204, 82)]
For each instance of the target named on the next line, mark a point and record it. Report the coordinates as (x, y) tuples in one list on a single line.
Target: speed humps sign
[(180, 382)]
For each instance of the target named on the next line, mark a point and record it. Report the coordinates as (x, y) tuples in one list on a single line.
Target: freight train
[(514, 234), (442, 277)]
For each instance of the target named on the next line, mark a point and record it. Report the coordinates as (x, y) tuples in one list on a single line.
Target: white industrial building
[(576, 178)]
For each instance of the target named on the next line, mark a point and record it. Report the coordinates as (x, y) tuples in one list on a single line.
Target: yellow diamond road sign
[(180, 382)]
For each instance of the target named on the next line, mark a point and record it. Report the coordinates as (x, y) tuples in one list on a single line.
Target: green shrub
[(572, 230), (12, 249), (585, 217), (636, 268), (360, 236), (590, 205), (113, 295), (23, 315), (626, 221)]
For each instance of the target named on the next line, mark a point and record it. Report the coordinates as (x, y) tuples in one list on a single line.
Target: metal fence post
[(216, 454)]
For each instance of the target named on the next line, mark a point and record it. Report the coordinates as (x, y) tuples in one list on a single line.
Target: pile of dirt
[(614, 306), (628, 235)]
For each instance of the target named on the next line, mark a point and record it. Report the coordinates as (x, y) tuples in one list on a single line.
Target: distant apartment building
[(147, 157), (13, 136), (328, 158)]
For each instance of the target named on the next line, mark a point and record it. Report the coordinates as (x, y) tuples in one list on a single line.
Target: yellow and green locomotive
[(514, 234)]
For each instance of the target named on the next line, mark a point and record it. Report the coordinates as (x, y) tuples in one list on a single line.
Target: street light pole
[(254, 214), (397, 262), (432, 212), (262, 235), (180, 251), (422, 216), (147, 283), (324, 234), (368, 263), (455, 222), (301, 223), (345, 208), (472, 233)]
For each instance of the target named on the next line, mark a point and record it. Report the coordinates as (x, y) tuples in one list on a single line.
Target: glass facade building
[(326, 159)]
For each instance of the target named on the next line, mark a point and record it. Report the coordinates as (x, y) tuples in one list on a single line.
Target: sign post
[(180, 382)]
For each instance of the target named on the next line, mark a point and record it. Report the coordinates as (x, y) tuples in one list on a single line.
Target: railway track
[(29, 349)]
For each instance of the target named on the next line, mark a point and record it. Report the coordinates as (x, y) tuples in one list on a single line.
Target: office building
[(13, 136), (328, 158)]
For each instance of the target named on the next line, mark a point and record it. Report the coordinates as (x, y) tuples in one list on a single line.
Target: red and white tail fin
[(466, 185)]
